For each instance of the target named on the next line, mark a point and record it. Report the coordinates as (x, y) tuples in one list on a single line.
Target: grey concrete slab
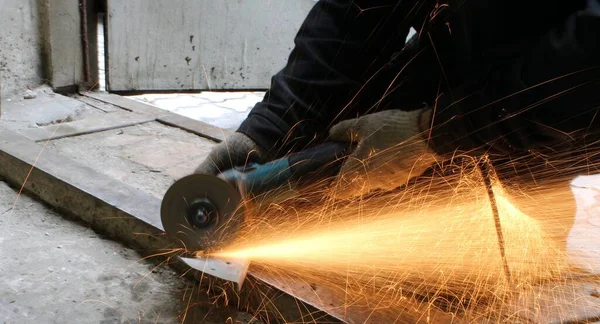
[(45, 109), (82, 187), (58, 271), (129, 215), (149, 157), (85, 126)]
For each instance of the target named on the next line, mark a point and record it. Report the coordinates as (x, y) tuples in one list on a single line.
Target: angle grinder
[(205, 212)]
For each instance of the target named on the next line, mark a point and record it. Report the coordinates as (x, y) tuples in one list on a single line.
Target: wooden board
[(168, 118), (199, 44)]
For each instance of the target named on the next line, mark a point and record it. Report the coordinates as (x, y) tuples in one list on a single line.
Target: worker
[(515, 80), (518, 81)]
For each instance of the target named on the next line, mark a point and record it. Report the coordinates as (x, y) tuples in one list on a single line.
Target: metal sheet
[(231, 270)]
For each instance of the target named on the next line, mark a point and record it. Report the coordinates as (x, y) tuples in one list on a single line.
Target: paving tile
[(222, 109)]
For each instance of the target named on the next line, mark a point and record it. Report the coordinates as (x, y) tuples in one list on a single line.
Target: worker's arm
[(340, 45), (546, 98)]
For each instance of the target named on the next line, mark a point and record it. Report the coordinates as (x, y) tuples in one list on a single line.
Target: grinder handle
[(319, 162), (311, 165)]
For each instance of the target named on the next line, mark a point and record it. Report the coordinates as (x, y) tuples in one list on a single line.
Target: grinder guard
[(205, 212), (202, 212)]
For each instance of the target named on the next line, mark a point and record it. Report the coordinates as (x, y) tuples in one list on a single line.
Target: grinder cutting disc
[(203, 212)]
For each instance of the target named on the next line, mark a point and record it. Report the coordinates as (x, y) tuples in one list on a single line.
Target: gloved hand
[(391, 149), (236, 150)]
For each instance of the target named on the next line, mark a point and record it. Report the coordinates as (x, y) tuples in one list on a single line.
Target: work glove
[(236, 150), (391, 149)]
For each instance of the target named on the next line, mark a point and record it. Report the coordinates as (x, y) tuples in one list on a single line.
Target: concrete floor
[(57, 271)]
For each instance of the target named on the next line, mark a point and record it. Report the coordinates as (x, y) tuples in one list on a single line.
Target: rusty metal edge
[(53, 132), (122, 213)]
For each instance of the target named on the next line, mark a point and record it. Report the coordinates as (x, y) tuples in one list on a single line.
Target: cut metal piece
[(203, 212), (233, 270), (486, 168)]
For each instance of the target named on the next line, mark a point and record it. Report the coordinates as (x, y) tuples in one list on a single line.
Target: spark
[(417, 250)]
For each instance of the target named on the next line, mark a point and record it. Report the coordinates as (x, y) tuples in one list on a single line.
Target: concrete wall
[(199, 44), (20, 46), (40, 43)]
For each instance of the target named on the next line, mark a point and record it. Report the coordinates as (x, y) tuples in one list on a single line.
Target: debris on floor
[(41, 107)]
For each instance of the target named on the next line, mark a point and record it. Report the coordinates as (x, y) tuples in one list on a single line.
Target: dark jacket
[(503, 75)]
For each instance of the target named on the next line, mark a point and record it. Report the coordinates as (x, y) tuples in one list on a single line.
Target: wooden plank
[(168, 118), (102, 106), (199, 128), (85, 126), (199, 44), (125, 103)]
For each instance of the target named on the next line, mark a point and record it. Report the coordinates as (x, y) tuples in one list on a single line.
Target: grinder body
[(320, 162), (205, 212)]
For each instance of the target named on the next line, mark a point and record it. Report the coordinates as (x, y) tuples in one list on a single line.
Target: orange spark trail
[(437, 244)]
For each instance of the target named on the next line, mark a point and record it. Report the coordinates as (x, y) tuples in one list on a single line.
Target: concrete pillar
[(62, 46)]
